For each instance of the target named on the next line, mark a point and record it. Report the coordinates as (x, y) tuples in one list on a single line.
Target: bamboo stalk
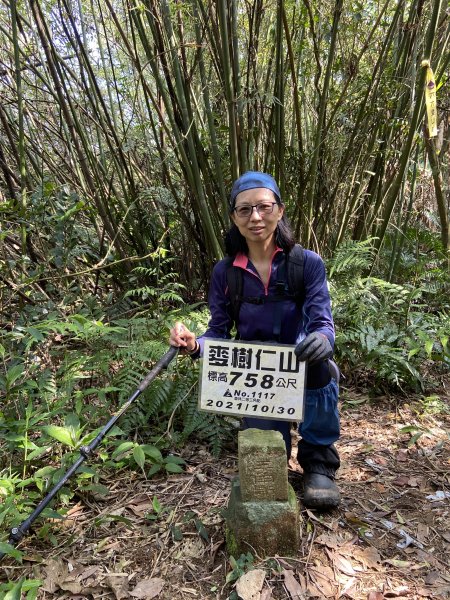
[(295, 96), (189, 125), (227, 79), (391, 195), (361, 125), (318, 139), (21, 145), (210, 118), (279, 141), (73, 127), (441, 201), (237, 89), (405, 219), (357, 61)]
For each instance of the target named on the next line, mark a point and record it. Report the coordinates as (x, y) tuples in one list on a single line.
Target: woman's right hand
[(182, 338)]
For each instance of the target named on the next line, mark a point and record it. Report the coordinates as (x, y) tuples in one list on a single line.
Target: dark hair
[(236, 243)]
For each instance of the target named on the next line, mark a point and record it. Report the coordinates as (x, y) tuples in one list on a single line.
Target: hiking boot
[(320, 491)]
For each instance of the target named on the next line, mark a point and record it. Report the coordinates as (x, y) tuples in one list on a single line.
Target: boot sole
[(323, 502)]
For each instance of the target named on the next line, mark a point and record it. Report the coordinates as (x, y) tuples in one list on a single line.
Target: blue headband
[(251, 180)]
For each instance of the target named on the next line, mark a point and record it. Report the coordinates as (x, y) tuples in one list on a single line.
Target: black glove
[(314, 348)]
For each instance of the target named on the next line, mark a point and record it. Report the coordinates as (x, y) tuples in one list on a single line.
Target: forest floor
[(390, 538)]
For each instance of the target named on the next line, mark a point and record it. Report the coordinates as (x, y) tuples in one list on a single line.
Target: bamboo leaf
[(122, 449), (156, 505), (9, 550), (414, 438), (177, 460), (15, 593), (154, 469), (139, 456), (62, 434), (153, 453), (173, 468), (201, 529)]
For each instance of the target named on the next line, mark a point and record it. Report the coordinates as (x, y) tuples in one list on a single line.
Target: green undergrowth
[(393, 335), (63, 380)]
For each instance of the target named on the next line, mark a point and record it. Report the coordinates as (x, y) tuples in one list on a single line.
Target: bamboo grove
[(123, 124)]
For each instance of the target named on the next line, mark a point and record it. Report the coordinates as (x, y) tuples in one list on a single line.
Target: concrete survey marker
[(262, 466), (262, 513)]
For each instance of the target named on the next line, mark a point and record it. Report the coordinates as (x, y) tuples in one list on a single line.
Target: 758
[(251, 379)]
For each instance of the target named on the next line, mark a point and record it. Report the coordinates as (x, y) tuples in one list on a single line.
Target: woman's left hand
[(314, 348)]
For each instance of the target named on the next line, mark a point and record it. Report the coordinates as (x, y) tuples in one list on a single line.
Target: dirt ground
[(164, 538)]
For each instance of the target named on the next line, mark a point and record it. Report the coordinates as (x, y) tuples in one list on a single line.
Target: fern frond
[(214, 429), (352, 257)]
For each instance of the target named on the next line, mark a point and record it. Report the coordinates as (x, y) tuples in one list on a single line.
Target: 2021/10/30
[(228, 405)]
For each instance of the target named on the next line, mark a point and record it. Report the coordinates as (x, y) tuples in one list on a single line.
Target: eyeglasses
[(244, 211)]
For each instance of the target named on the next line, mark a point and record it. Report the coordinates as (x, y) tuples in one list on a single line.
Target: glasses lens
[(244, 211), (264, 208)]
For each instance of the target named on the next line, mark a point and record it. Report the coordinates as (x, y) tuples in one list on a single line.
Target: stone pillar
[(262, 511)]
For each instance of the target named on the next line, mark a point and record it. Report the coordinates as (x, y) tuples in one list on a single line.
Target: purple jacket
[(256, 320)]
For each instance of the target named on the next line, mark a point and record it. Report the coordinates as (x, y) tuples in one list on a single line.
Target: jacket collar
[(242, 260)]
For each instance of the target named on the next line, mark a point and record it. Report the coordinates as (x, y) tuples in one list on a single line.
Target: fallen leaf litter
[(389, 539)]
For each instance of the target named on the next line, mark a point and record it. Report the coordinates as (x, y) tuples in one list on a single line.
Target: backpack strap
[(295, 272), (282, 292)]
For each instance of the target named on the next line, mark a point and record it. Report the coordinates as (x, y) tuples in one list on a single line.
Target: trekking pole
[(17, 533)]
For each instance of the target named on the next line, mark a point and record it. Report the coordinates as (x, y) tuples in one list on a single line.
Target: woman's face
[(259, 225)]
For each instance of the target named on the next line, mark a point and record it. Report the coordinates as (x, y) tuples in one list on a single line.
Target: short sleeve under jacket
[(256, 320)]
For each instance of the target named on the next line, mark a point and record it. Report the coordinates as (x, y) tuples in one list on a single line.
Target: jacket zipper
[(266, 288)]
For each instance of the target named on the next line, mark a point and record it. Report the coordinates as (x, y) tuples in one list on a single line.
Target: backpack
[(290, 284)]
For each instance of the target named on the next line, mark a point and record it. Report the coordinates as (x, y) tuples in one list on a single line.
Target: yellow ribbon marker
[(430, 99)]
